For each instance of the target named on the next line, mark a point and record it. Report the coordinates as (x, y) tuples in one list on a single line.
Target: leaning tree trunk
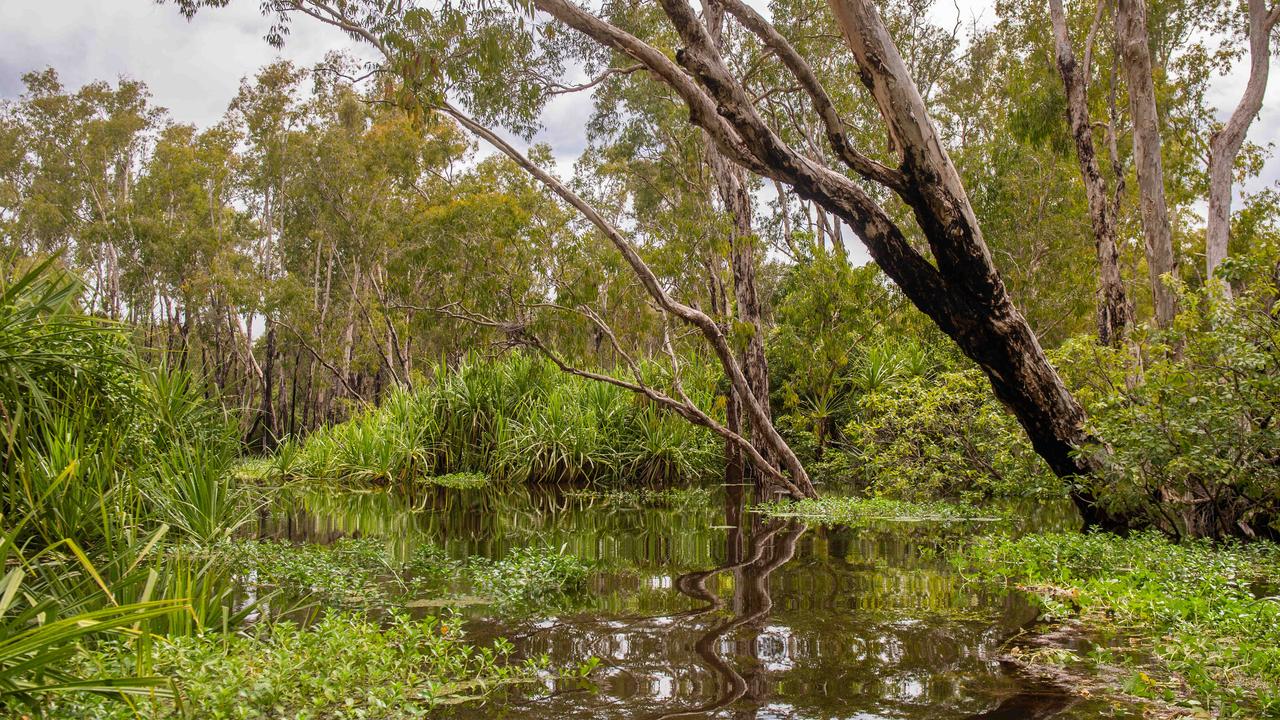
[(1114, 314), (967, 300), (1131, 33)]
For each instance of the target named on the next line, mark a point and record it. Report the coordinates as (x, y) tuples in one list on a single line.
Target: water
[(708, 611)]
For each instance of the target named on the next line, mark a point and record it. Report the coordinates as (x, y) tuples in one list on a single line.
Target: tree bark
[(1114, 314), (1131, 33), (1225, 144), (963, 294), (735, 197)]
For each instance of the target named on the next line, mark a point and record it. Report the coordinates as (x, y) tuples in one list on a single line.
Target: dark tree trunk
[(1114, 313)]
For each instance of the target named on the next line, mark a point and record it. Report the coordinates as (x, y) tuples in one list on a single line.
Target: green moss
[(1206, 613)]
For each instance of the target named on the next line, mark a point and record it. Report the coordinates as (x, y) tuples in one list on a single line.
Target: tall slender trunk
[(1114, 314), (1135, 52), (268, 424), (1225, 143), (735, 195), (349, 329)]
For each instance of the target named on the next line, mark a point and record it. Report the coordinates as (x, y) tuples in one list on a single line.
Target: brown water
[(709, 611)]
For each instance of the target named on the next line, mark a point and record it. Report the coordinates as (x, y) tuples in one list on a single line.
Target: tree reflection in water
[(708, 610), (755, 548)]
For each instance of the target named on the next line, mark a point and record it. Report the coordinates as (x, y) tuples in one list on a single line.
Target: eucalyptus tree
[(1227, 141), (71, 164), (958, 286), (1155, 61)]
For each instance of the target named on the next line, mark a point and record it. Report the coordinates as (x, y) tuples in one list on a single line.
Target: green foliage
[(38, 634), (527, 574), (1203, 610), (516, 419), (344, 666), (921, 438), (1190, 438), (856, 511), (97, 455)]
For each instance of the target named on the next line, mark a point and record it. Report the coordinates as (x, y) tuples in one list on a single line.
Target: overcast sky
[(194, 68)]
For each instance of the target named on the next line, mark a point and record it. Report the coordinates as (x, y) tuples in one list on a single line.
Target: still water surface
[(708, 611)]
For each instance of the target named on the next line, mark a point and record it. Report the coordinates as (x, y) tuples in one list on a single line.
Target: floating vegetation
[(853, 511), (365, 573), (527, 574), (343, 666), (643, 496), (1203, 618), (458, 480)]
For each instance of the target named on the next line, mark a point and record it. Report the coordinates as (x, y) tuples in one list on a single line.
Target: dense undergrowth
[(120, 577), (1198, 624), (516, 419), (1185, 420)]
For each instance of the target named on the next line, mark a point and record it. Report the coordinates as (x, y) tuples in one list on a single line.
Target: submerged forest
[(839, 362)]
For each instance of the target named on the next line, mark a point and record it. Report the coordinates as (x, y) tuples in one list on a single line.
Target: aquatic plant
[(854, 511), (343, 666), (527, 574), (1207, 613)]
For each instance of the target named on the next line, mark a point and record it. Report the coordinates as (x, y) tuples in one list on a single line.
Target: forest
[(851, 364)]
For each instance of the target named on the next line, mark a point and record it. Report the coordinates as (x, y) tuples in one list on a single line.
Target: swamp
[(787, 360)]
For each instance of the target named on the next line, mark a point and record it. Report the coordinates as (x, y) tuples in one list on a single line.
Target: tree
[(1115, 314), (1225, 143)]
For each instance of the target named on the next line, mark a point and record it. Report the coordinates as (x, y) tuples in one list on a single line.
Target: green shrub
[(946, 436), (1190, 435)]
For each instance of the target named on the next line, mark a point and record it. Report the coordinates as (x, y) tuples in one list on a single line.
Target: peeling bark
[(1114, 313), (1131, 33), (1225, 144)]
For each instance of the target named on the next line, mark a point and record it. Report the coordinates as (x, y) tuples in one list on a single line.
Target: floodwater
[(706, 610)]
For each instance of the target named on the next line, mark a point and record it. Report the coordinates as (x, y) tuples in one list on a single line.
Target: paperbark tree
[(1157, 231), (1225, 143), (1115, 314)]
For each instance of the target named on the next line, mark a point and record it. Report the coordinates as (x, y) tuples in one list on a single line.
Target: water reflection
[(713, 612)]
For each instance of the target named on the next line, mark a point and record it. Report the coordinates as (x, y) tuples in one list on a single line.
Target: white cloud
[(194, 69)]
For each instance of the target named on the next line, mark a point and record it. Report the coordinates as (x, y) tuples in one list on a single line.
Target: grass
[(1204, 618), (855, 511), (517, 419)]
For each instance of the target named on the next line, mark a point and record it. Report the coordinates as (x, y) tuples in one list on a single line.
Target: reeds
[(516, 419), (106, 468)]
